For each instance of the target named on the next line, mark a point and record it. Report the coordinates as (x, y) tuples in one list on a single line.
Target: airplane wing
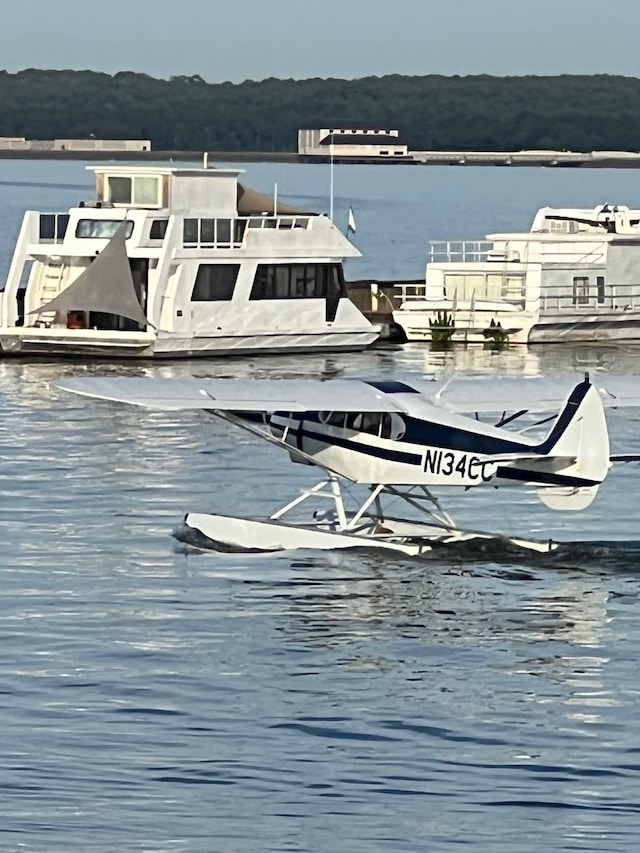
[(462, 395), (252, 395), (489, 394)]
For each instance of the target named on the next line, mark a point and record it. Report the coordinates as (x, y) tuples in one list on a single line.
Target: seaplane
[(400, 442)]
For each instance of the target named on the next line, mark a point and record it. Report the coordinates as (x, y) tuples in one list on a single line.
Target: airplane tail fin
[(579, 437)]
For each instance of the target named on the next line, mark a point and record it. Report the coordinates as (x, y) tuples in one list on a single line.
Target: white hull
[(625, 329), (521, 327), (59, 342), (178, 263), (223, 532), (472, 325)]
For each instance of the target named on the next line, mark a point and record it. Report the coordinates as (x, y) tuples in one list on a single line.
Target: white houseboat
[(574, 276), (168, 262)]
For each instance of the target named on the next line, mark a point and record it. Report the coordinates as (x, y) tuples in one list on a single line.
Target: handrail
[(230, 232), (485, 251)]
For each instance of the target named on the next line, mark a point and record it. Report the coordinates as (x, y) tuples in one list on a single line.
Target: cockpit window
[(382, 424)]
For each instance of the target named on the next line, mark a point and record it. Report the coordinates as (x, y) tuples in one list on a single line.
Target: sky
[(240, 40)]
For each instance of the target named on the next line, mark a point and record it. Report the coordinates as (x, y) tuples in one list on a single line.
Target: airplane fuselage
[(459, 451)]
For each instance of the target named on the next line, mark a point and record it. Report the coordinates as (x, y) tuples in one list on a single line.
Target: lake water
[(155, 698)]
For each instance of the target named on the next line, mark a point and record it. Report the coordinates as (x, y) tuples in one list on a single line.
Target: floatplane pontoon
[(400, 441)]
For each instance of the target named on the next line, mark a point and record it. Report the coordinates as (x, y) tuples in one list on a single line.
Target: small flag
[(351, 222)]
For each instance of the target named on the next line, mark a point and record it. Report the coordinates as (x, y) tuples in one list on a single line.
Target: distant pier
[(589, 160), (592, 159)]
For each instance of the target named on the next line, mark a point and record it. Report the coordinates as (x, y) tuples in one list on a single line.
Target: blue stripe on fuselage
[(453, 438), (546, 478)]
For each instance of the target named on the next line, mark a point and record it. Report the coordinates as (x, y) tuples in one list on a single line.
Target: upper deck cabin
[(191, 240), (175, 190), (198, 208), (556, 236)]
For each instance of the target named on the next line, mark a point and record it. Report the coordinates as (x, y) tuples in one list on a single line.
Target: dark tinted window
[(158, 229), (207, 231), (223, 227), (53, 226), (190, 230), (47, 226), (298, 281), (215, 282)]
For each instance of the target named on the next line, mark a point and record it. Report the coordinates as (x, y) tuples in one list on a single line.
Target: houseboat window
[(600, 289), (464, 286), (120, 190), (580, 290), (491, 286), (332, 280), (215, 282), (158, 229), (207, 231), (303, 281), (298, 281), (240, 226), (146, 190), (53, 226), (190, 231), (102, 229), (223, 230), (142, 190), (281, 282), (513, 288)]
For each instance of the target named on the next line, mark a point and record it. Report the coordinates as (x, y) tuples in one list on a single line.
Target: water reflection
[(34, 378), (339, 599)]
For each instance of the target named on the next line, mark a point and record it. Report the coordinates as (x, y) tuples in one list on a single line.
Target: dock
[(377, 299)]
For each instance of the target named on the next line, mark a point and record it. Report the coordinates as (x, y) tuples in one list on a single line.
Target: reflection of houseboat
[(178, 262), (574, 276)]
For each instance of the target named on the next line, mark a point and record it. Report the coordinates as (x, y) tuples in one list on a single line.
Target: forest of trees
[(578, 113)]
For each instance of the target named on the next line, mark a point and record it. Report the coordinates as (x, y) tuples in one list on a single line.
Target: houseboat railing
[(593, 297), (586, 293), (463, 251), (225, 233), (485, 251)]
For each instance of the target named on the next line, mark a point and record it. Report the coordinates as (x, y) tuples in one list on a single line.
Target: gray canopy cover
[(106, 285)]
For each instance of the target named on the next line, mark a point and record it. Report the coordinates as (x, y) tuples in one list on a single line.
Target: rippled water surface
[(153, 697)]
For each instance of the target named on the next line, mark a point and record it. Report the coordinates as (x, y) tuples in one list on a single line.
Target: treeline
[(579, 113)]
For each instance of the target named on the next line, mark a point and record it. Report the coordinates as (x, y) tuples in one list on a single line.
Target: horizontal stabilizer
[(568, 499), (625, 457), (504, 458)]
